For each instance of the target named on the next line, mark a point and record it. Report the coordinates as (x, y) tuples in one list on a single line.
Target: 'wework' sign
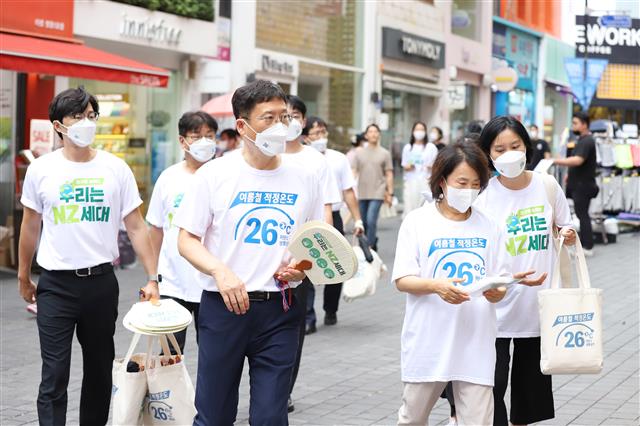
[(412, 48)]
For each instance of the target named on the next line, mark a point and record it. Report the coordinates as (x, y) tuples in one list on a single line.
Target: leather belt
[(101, 269)]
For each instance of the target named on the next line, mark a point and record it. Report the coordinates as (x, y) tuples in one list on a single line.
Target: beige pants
[(474, 403)]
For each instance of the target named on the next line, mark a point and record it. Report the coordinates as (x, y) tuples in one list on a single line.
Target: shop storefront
[(469, 64), (140, 124), (518, 48), (411, 85), (557, 92), (321, 64), (618, 94)]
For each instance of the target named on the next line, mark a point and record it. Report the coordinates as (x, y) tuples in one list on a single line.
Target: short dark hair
[(248, 96), (582, 116), (230, 133), (297, 103), (312, 121), (498, 125), (366, 129), (193, 122), (70, 102), (450, 157), (413, 129), (474, 126)]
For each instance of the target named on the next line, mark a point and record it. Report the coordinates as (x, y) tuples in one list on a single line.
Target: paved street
[(350, 373)]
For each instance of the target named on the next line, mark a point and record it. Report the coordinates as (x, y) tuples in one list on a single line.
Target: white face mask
[(533, 134), (82, 132), (510, 164), (419, 135), (320, 144), (461, 198), (202, 150), (433, 136), (223, 145), (294, 130), (271, 142)]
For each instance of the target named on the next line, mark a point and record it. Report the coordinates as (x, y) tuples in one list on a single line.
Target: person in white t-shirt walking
[(417, 159), (235, 224), (80, 195), (197, 136), (519, 203), (448, 336)]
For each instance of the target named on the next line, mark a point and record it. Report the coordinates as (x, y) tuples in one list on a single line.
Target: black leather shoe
[(290, 406), (311, 328), (330, 319)]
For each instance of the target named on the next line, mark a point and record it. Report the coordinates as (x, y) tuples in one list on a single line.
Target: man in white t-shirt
[(80, 195), (197, 135), (236, 221)]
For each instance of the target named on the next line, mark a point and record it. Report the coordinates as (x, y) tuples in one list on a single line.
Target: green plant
[(197, 9)]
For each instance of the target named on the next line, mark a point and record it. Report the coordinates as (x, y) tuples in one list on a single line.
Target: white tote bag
[(571, 323), (129, 389), (171, 396)]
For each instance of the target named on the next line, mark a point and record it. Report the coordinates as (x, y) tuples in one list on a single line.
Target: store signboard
[(135, 25), (618, 21), (584, 88), (276, 63), (618, 45), (505, 78), (41, 137), (46, 18), (407, 47), (457, 96)]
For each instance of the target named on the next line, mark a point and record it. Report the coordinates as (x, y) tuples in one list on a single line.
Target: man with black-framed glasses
[(81, 195), (236, 221)]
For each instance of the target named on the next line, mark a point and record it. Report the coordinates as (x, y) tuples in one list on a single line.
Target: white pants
[(413, 198), (474, 403)]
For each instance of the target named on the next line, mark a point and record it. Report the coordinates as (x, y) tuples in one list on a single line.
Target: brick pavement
[(350, 373)]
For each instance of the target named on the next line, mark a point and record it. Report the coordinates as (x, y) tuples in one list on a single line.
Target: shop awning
[(32, 54), (219, 106), (411, 86)]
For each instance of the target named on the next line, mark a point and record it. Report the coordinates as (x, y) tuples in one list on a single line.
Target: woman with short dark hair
[(519, 201), (448, 336)]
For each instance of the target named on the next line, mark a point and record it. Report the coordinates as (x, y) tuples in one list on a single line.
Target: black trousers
[(181, 336), (581, 200), (301, 298), (88, 306), (332, 292)]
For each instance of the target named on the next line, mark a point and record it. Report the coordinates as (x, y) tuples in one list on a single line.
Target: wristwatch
[(156, 278)]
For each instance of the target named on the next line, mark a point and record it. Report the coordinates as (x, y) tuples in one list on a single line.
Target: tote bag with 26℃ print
[(571, 323), (129, 389)]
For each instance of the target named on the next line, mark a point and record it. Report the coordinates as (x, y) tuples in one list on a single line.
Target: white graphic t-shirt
[(421, 157), (247, 216), (342, 173), (442, 342), (177, 273), (82, 205), (525, 220), (313, 160)]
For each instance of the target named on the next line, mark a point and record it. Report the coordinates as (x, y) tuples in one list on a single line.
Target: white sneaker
[(452, 421), (588, 253)]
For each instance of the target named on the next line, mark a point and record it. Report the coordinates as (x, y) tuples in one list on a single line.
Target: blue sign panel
[(584, 88)]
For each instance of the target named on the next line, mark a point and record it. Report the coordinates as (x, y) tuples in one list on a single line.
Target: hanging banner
[(584, 88)]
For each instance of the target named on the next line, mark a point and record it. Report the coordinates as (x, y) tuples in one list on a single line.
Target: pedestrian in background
[(80, 195), (196, 135), (446, 335), (417, 159), (229, 142), (528, 239), (437, 137), (540, 148), (581, 180), (357, 141), (374, 170)]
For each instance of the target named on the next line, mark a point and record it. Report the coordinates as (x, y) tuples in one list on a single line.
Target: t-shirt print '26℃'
[(527, 231), (83, 202)]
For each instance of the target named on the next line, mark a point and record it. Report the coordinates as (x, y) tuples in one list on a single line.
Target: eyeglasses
[(93, 116), (196, 137), (269, 119)]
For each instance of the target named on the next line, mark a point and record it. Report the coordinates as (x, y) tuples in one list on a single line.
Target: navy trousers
[(268, 337)]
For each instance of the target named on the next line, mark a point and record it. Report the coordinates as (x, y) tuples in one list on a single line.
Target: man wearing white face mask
[(197, 133), (235, 223), (81, 195)]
